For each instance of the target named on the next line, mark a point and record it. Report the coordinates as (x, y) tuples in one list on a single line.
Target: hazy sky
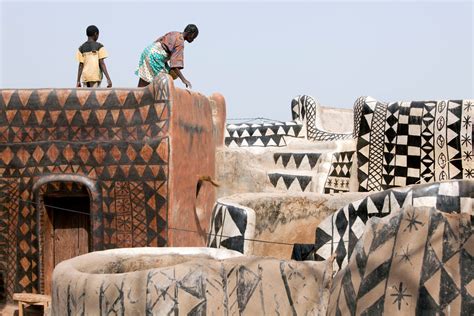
[(259, 55)]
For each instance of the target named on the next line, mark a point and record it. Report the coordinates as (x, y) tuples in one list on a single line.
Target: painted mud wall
[(218, 118), (334, 120), (118, 144), (192, 160), (188, 281)]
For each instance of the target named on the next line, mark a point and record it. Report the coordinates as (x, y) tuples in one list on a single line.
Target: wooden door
[(66, 231)]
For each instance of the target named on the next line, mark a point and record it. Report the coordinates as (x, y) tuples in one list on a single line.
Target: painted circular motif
[(441, 106), (443, 176), (440, 140), (440, 123), (442, 160)]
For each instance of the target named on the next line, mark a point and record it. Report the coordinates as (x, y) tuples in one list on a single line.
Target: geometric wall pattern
[(242, 285), (299, 177), (416, 261), (339, 174), (302, 161), (129, 209), (228, 227), (290, 182), (9, 205), (260, 135), (303, 109), (118, 139), (405, 143), (340, 232)]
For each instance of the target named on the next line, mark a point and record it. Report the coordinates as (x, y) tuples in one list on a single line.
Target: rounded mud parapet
[(197, 281), (122, 279)]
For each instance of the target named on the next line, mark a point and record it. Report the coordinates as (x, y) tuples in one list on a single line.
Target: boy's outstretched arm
[(181, 76), (103, 67), (79, 74)]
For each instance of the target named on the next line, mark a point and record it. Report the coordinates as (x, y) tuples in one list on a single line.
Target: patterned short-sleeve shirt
[(174, 44)]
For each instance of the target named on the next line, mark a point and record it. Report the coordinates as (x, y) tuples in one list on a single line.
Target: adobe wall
[(218, 117), (334, 120), (138, 151), (188, 281), (269, 224), (192, 157)]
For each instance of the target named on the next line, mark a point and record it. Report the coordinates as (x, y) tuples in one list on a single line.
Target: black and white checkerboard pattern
[(405, 143)]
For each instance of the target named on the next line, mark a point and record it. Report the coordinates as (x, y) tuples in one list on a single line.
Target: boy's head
[(190, 32), (93, 32)]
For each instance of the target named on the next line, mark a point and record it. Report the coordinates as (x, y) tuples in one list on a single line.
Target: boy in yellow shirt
[(90, 56)]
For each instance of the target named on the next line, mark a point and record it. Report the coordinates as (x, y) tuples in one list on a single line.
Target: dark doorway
[(66, 230)]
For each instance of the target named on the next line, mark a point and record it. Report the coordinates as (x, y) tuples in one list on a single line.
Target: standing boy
[(90, 56)]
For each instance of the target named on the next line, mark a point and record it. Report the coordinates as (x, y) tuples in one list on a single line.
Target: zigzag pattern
[(453, 140), (260, 135), (114, 116), (156, 210), (389, 151), (427, 143), (306, 161), (69, 187), (290, 182)]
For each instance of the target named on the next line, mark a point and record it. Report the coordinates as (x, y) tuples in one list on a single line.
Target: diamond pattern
[(339, 174), (419, 142), (396, 271), (109, 136), (345, 227)]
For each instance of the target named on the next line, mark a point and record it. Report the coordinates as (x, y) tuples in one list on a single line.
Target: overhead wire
[(169, 228)]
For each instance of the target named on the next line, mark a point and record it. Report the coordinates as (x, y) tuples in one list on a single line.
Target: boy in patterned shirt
[(90, 56)]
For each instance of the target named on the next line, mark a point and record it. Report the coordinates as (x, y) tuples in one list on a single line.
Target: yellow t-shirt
[(89, 54)]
